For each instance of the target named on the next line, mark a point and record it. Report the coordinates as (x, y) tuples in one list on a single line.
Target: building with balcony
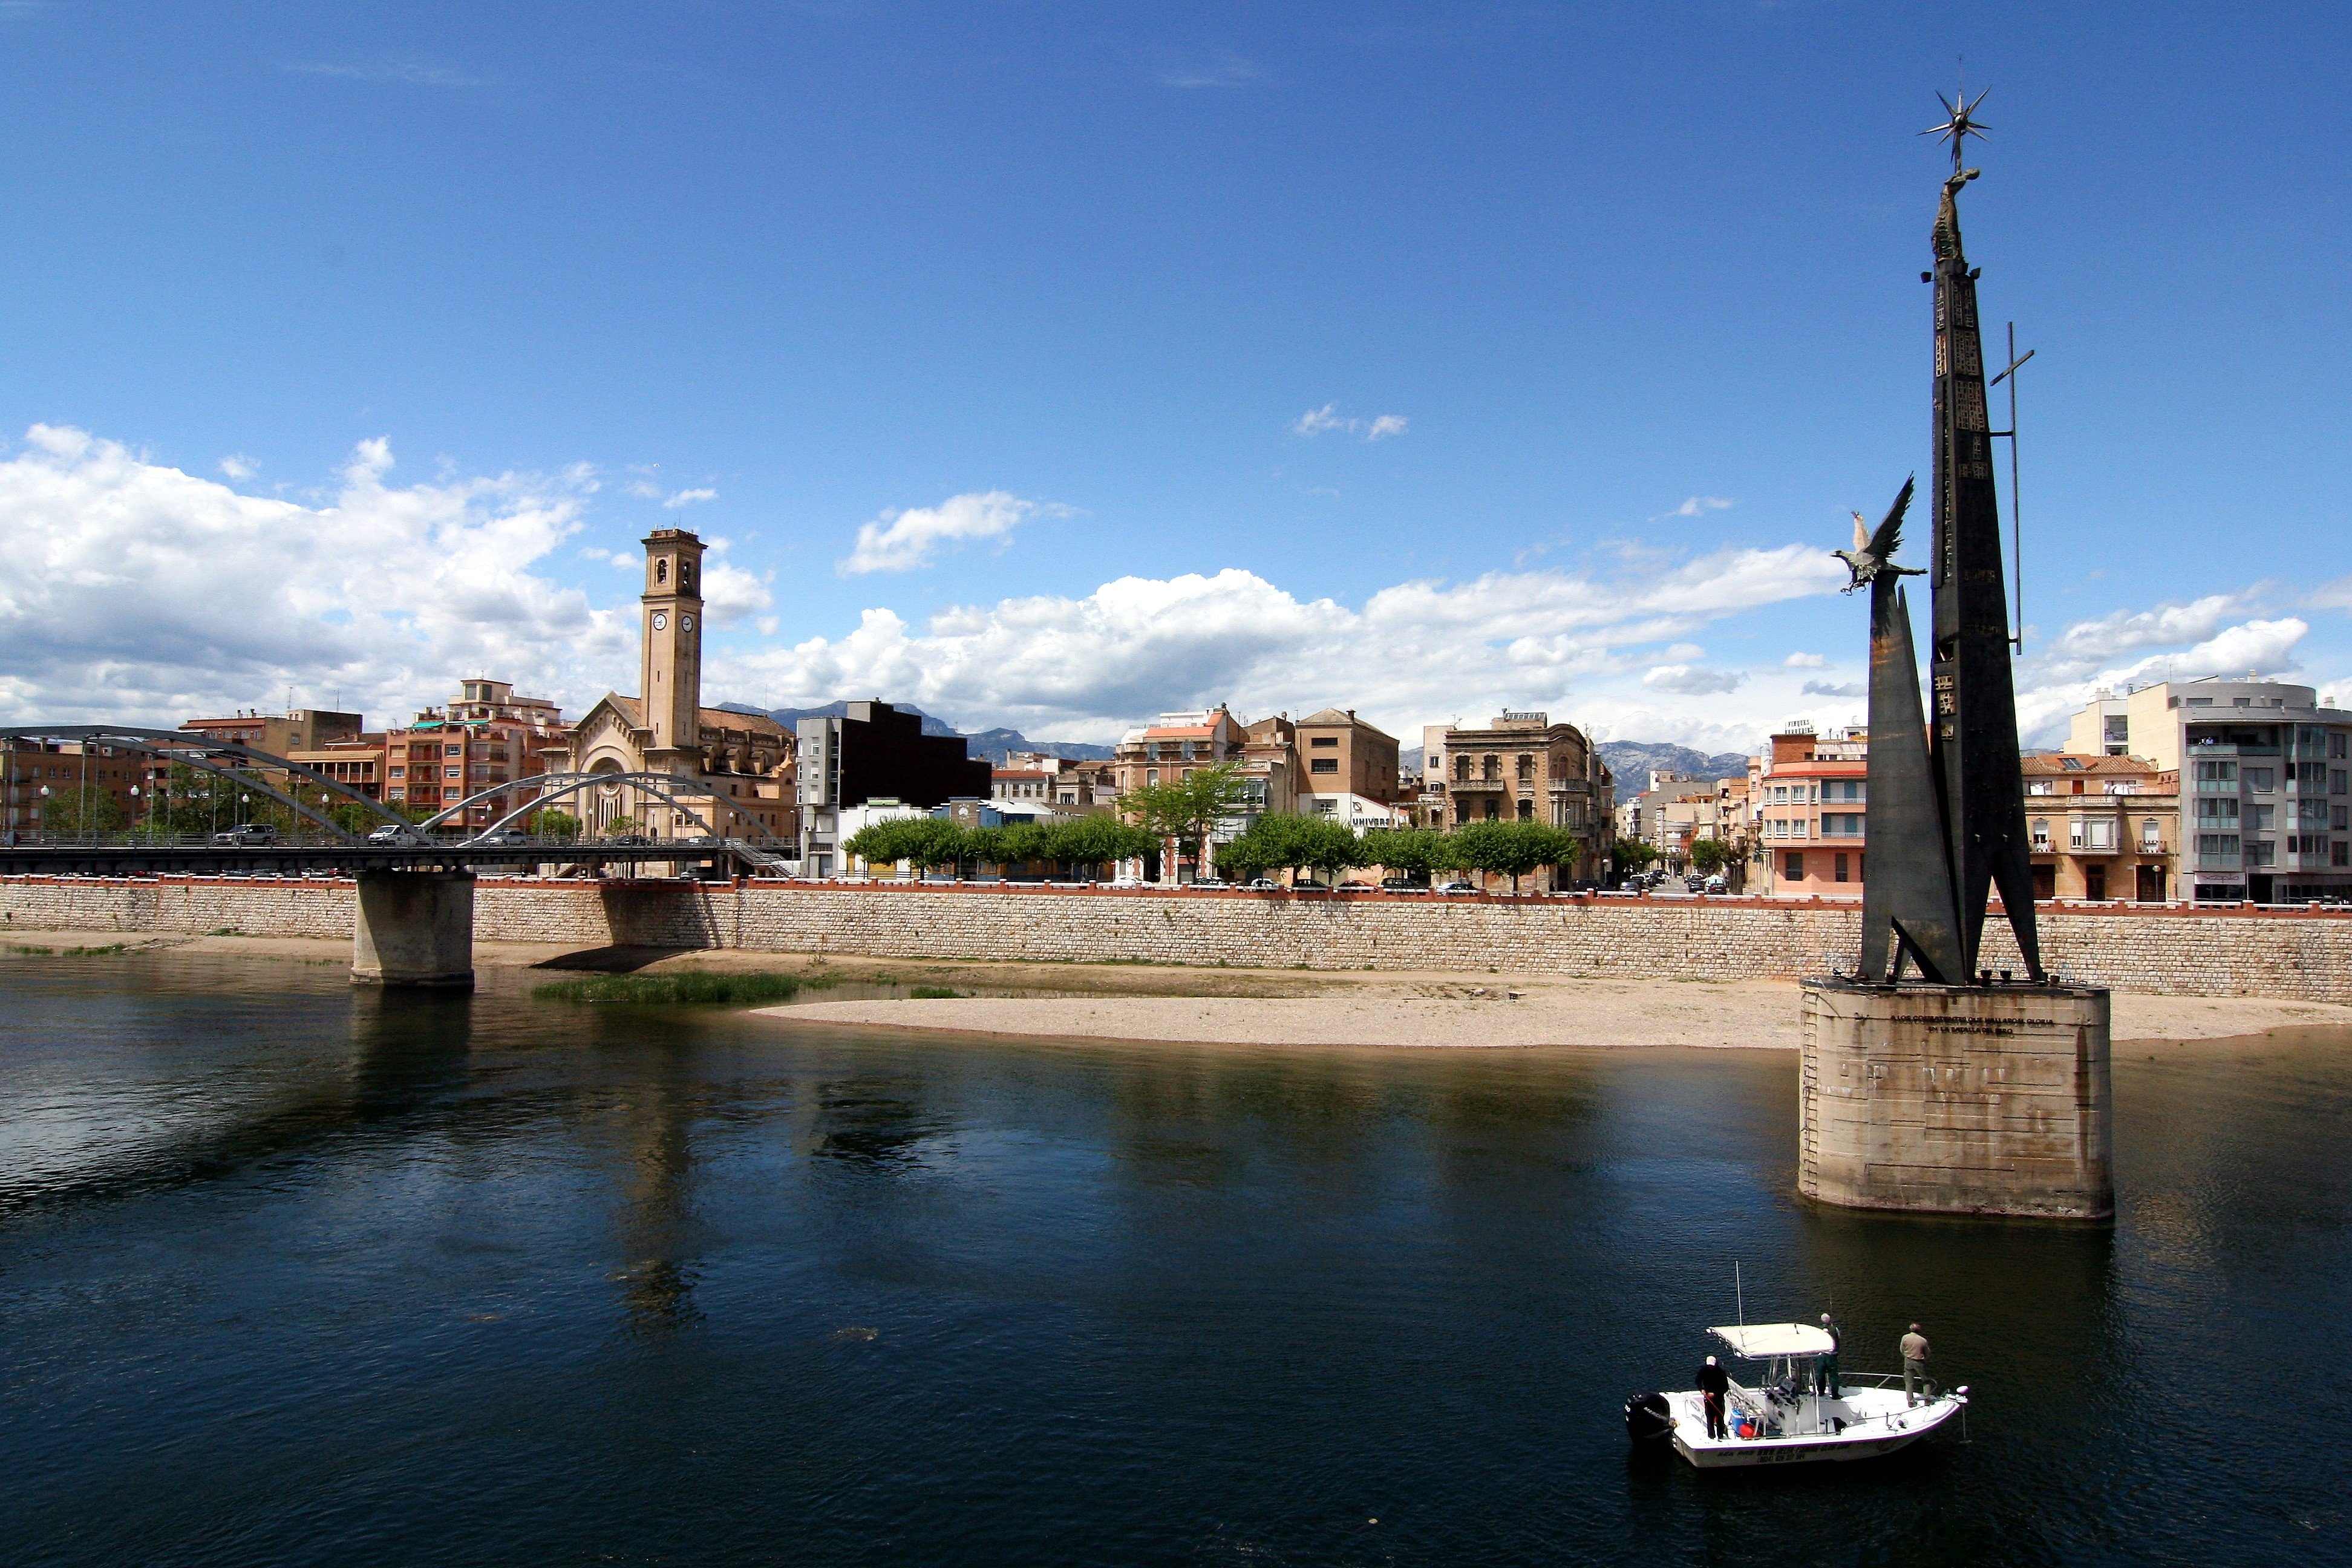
[(1808, 800), (1522, 767), (2264, 771), (2102, 827)]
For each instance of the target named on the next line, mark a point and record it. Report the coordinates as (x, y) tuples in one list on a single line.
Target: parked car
[(1717, 885), (247, 833), (1634, 885), (395, 833), (1400, 885), (1262, 885), (1210, 882), (1459, 888), (501, 837), (1694, 883)]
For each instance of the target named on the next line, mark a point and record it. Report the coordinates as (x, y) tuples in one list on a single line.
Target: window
[(2312, 776), (661, 571), (2262, 778), (2118, 728), (1837, 871), (453, 751), (1324, 740), (2309, 812), (2335, 781), (2151, 834), (2216, 773), (2263, 817), (2310, 735), (1526, 767), (2042, 834), (1462, 770), (1792, 865), (397, 772), (1322, 764), (2262, 852), (396, 793), (2340, 822), (1151, 775), (2037, 786), (1527, 811), (2335, 743), (450, 773), (2223, 810), (1494, 768), (1842, 824), (2217, 845), (2096, 833), (2338, 855)]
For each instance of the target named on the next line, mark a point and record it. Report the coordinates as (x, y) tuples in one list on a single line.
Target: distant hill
[(994, 745), (1631, 761)]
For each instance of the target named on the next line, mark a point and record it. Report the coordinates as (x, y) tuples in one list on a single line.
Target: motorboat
[(1783, 1415)]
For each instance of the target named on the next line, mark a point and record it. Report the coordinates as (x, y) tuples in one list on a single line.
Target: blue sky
[(344, 340)]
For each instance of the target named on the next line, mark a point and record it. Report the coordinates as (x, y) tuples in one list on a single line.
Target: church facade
[(738, 769)]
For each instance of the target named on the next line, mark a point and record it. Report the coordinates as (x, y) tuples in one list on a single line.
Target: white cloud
[(1686, 681), (1414, 652), (2087, 644), (644, 489), (1825, 688), (1317, 421), (1683, 652), (237, 466), (136, 592), (620, 560), (1805, 661), (730, 593), (2086, 656), (1699, 506), (687, 497), (902, 540)]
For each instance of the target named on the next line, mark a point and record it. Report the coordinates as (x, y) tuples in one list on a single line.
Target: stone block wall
[(2179, 952)]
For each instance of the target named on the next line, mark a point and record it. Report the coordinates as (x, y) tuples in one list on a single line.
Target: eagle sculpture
[(1874, 552)]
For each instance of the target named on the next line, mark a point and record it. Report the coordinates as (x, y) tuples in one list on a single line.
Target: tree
[(1631, 854), (1406, 851), (1708, 856), (554, 823), (924, 842), (1188, 809), (1321, 844), (72, 809), (613, 827), (1097, 841), (1507, 849)]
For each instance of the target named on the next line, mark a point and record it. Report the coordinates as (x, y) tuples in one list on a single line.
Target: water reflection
[(667, 1283)]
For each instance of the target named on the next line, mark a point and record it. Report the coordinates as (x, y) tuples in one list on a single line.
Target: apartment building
[(2102, 827), (297, 730), (2264, 771), (1074, 787), (485, 736), (873, 753), (1270, 768), (1809, 798), (1346, 756), (1522, 767), (1175, 745)]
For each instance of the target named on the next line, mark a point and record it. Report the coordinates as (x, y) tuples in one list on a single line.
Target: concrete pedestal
[(414, 927), (1957, 1099)]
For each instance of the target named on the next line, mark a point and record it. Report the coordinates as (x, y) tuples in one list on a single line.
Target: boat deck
[(1861, 1423)]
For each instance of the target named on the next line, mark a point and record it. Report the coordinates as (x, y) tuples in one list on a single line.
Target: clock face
[(661, 622), (686, 623)]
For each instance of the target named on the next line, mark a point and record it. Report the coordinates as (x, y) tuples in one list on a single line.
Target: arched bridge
[(427, 866)]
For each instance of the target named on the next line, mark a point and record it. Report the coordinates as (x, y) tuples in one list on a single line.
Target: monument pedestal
[(1957, 1099)]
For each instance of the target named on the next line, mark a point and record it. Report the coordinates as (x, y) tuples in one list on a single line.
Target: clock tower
[(671, 685)]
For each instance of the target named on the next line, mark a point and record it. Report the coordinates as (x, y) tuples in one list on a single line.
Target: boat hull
[(1872, 1427)]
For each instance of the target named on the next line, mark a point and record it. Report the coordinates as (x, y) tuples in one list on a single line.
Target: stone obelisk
[(1930, 1083)]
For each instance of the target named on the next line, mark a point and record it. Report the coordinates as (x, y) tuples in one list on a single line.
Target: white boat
[(1785, 1419)]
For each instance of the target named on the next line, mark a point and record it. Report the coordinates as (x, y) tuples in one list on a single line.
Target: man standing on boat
[(1714, 1382), (1915, 1364), (1828, 1385)]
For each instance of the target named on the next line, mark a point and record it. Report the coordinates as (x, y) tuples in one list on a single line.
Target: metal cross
[(2016, 529)]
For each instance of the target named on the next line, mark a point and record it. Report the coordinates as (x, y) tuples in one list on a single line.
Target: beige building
[(2264, 771), (1345, 755), (2102, 827), (298, 729), (1525, 768), (745, 759)]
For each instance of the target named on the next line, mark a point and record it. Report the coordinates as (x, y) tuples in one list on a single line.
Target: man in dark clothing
[(1830, 1386), (1714, 1382)]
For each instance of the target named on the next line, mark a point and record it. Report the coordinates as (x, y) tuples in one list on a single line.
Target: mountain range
[(1631, 761)]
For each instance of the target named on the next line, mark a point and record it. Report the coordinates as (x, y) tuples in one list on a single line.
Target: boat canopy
[(1760, 1341)]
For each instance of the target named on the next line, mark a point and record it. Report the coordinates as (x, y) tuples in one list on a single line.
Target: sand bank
[(1757, 1014)]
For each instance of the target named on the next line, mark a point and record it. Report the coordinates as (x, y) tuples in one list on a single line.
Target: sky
[(1052, 366)]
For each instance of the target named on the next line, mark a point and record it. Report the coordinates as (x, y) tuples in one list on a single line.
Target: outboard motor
[(1649, 1418)]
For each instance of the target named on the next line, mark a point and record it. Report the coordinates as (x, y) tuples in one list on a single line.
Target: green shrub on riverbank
[(695, 986)]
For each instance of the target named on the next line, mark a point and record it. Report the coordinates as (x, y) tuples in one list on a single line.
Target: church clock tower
[(671, 682)]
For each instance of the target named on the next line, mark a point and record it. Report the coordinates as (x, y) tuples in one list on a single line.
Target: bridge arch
[(195, 751)]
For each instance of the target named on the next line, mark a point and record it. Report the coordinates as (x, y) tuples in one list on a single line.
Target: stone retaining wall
[(2186, 952)]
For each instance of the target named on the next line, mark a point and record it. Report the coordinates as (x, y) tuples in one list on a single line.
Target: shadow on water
[(406, 1053)]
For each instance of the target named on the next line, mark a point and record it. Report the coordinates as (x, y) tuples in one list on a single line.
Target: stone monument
[(1929, 1083)]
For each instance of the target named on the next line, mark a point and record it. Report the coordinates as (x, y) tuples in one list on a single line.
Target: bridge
[(416, 879)]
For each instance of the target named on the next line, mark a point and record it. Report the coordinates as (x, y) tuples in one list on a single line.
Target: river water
[(291, 1274)]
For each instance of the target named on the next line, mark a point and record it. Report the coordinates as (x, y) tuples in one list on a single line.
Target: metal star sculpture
[(1960, 122), (1874, 551)]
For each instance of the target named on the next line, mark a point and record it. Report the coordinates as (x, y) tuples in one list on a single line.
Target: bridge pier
[(414, 927)]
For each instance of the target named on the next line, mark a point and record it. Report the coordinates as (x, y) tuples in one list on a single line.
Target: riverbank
[(1185, 1003)]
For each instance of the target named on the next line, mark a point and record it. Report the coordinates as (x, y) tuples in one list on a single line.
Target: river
[(292, 1274)]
